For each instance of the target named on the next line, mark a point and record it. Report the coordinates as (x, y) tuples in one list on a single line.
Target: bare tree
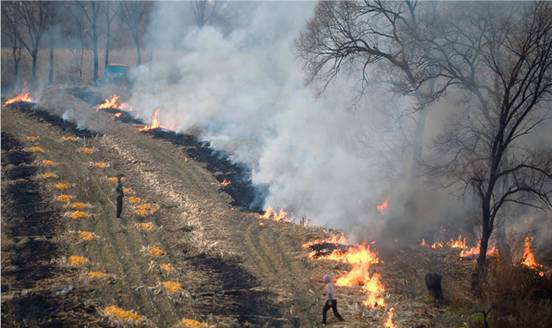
[(92, 12), (110, 13), (505, 61), (32, 21), (9, 30), (353, 36), (204, 11), (134, 14)]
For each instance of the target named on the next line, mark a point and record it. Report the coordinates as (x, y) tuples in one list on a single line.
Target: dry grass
[(76, 260), (191, 323), (146, 226), (62, 186), (88, 150), (34, 149), (172, 287), (87, 235), (32, 138), (48, 163), (117, 313), (77, 215), (48, 175), (155, 251), (146, 209), (64, 198)]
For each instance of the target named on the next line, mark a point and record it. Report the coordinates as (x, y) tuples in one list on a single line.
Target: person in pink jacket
[(331, 301)]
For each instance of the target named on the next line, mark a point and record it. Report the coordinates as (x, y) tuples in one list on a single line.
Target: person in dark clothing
[(120, 195), (331, 302)]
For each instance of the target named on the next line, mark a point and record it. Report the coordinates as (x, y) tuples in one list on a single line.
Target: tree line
[(497, 57)]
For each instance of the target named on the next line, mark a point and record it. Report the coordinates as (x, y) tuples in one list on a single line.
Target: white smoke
[(324, 157)]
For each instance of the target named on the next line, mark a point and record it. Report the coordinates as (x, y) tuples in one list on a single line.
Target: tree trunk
[(107, 40), (502, 242), (34, 55), (81, 62), (96, 59), (138, 54), (16, 52), (51, 65)]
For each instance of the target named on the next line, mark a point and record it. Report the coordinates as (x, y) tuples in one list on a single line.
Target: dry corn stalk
[(88, 150), (77, 215), (87, 235), (146, 209), (48, 175), (48, 162), (69, 138), (145, 226), (64, 198), (172, 286), (62, 186), (32, 138), (191, 323), (120, 314), (34, 149), (76, 260)]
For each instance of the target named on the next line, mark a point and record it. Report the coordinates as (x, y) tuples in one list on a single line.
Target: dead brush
[(48, 175)]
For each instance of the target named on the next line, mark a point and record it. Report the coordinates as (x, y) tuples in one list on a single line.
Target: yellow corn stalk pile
[(48, 163), (64, 198), (172, 286), (76, 260), (34, 149), (87, 235), (146, 226), (32, 138), (120, 314), (191, 323), (48, 175), (155, 251), (146, 209)]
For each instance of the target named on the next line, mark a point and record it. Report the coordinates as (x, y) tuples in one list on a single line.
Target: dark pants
[(331, 304), (119, 206)]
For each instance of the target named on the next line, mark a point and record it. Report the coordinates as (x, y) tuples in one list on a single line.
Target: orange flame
[(528, 259), (424, 243), (154, 122), (113, 103), (225, 183), (337, 239), (278, 216), (437, 244), (474, 251), (460, 242), (383, 206), (24, 96), (389, 321), (361, 258)]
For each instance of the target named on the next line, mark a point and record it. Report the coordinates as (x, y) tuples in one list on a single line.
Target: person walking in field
[(120, 195), (331, 301)]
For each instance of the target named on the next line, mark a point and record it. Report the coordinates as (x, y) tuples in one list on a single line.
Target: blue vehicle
[(114, 73)]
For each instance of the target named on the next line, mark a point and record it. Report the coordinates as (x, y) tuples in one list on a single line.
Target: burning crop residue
[(32, 138), (23, 97), (64, 198), (381, 208), (166, 267), (134, 199), (272, 215), (70, 138), (77, 215), (96, 275), (87, 235), (62, 186), (113, 103), (100, 165), (361, 258), (225, 183), (34, 149), (460, 243), (48, 163), (48, 175), (88, 150), (389, 320), (528, 258), (154, 251), (155, 124), (144, 226), (79, 206)]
